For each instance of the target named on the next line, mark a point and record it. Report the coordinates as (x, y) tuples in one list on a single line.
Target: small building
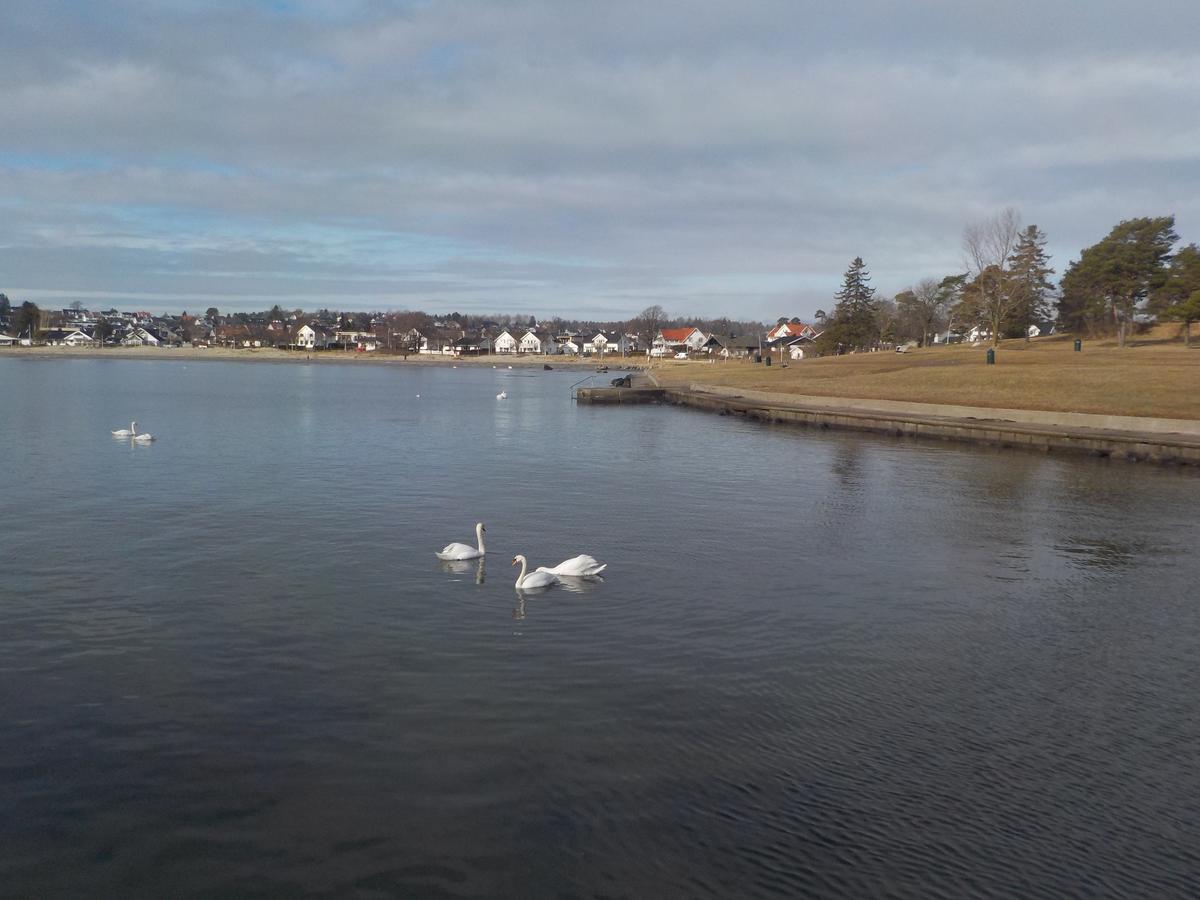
[(413, 341), (356, 340), (471, 345), (139, 337), (312, 337), (790, 330), (69, 337), (670, 341), (537, 342), (601, 344), (505, 343)]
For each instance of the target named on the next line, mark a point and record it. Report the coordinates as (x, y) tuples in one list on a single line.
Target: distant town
[(651, 333)]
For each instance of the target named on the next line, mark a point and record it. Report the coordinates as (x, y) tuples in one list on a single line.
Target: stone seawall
[(1118, 444), (1159, 440)]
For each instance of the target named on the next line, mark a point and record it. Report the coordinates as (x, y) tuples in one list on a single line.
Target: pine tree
[(1179, 296), (854, 314), (1029, 273), (1114, 276)]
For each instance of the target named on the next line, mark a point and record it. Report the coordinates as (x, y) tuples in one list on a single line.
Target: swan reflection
[(580, 584), (476, 567)]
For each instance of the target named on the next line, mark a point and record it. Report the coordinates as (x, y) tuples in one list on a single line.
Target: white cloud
[(573, 158)]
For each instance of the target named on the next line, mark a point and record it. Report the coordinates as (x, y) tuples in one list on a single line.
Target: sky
[(587, 160)]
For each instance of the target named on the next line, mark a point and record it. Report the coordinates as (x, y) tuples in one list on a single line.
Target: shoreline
[(271, 355), (1163, 441)]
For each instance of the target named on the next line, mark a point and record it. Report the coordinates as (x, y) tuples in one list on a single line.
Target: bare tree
[(648, 322), (990, 242), (921, 306), (989, 245)]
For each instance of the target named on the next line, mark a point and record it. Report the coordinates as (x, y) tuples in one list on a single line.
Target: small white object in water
[(503, 395)]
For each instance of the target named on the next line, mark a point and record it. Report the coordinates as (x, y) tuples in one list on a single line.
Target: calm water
[(820, 664)]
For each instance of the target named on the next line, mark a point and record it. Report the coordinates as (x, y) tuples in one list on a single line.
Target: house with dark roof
[(68, 337)]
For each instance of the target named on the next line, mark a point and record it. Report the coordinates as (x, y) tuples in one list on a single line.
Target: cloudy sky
[(583, 159)]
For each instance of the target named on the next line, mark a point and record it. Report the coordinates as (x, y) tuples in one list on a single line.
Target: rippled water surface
[(819, 664)]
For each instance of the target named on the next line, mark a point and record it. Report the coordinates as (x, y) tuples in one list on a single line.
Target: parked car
[(682, 354)]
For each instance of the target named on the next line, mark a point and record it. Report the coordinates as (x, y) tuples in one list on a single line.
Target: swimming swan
[(144, 437), (503, 395), (465, 551), (533, 580), (577, 566), (126, 432)]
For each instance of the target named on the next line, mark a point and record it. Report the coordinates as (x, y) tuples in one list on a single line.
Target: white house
[(312, 337), (63, 337), (505, 343), (571, 345), (599, 343), (792, 330), (537, 342), (674, 340), (140, 337), (414, 340), (359, 340), (7, 340)]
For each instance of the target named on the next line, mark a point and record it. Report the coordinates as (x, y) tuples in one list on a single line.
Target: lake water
[(819, 664)]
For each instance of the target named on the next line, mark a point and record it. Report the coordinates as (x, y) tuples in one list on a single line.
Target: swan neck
[(521, 577), (479, 536)]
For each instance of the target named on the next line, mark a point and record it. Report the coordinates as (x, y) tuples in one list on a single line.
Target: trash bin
[(991, 356), (758, 357), (768, 360), (1078, 345)]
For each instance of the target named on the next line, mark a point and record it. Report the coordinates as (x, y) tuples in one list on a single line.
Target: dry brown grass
[(1157, 376)]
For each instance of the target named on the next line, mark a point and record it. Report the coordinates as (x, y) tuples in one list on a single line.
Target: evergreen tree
[(854, 322), (1029, 273), (1113, 277), (28, 318), (1179, 296)]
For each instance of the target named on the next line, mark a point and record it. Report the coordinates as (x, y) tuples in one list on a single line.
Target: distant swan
[(144, 437), (577, 566), (126, 432), (465, 551), (503, 395), (533, 580)]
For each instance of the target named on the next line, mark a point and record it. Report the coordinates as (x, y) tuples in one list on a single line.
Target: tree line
[(1005, 288)]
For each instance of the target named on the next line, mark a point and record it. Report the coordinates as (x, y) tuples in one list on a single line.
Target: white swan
[(503, 395), (577, 566), (465, 551), (126, 432), (144, 437), (533, 580)]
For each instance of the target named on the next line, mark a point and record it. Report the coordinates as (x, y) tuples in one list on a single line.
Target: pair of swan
[(582, 566), (143, 437)]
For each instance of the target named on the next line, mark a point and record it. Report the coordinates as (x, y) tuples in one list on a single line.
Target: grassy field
[(1157, 376)]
